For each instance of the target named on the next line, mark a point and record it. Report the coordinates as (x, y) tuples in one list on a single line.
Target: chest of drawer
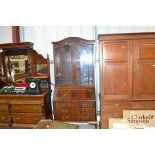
[(5, 117), (27, 118), (74, 110), (4, 108), (143, 105), (26, 108), (74, 104), (116, 106)]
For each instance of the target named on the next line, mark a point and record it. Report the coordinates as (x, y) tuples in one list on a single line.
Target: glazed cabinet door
[(116, 69), (63, 65), (144, 69), (83, 55)]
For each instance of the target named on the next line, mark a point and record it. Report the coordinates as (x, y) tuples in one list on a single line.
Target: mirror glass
[(17, 68), (41, 69)]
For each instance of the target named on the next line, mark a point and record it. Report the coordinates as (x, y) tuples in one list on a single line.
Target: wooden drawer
[(5, 118), (116, 106), (26, 101), (74, 104), (69, 117), (4, 108), (3, 100), (27, 118), (26, 108), (75, 94), (74, 110), (143, 105)]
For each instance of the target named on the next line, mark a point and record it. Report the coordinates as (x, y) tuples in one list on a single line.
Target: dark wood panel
[(144, 69), (116, 51), (147, 51), (116, 81)]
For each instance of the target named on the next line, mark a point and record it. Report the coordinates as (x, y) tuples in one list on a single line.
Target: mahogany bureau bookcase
[(127, 69), (19, 64), (74, 94)]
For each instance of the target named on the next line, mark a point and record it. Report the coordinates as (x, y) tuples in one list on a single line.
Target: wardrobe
[(127, 74)]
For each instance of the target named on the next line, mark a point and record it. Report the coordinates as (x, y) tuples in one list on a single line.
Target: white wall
[(5, 34), (43, 36)]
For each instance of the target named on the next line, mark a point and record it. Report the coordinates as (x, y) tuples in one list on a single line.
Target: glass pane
[(84, 64), (63, 65), (41, 68), (17, 68), (1, 70)]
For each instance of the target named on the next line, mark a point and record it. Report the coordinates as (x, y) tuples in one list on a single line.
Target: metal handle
[(116, 104), (84, 104), (17, 118), (3, 117), (35, 108), (147, 105), (16, 108), (2, 108), (36, 118)]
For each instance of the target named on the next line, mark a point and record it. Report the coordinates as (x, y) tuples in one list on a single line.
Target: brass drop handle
[(64, 110), (116, 104), (18, 118), (64, 117), (84, 117), (147, 105), (84, 110), (3, 117), (2, 108), (84, 104), (47, 126), (35, 108), (153, 65), (36, 118), (16, 108)]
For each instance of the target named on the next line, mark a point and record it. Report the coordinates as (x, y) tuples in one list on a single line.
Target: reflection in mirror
[(41, 68), (17, 68)]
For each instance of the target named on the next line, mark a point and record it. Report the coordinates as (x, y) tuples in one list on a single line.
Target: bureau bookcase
[(74, 94), (127, 69)]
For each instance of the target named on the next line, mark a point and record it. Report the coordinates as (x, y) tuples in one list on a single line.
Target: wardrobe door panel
[(116, 70), (144, 72)]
